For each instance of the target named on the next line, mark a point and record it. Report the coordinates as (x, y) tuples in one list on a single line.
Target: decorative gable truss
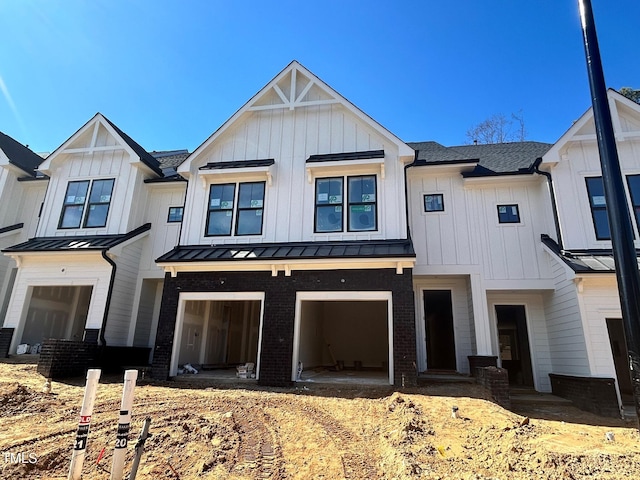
[(293, 89), (100, 135)]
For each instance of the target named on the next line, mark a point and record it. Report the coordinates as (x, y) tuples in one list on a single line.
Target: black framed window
[(221, 200), (329, 203), (433, 202), (595, 189), (89, 211), (508, 213), (175, 214), (247, 209), (633, 182), (250, 208), (99, 202), (362, 203), (73, 206)]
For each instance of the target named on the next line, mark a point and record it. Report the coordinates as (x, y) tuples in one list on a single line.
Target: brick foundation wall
[(496, 381), (6, 334), (479, 361), (65, 358), (279, 313), (592, 394)]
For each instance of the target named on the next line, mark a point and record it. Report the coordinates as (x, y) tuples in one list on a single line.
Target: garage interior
[(56, 312), (217, 336), (344, 342)]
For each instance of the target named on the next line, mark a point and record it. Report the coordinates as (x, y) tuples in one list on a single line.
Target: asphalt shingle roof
[(493, 159), (19, 155)]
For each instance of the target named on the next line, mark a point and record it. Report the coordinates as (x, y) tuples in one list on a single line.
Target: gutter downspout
[(109, 294), (554, 207), (406, 193)]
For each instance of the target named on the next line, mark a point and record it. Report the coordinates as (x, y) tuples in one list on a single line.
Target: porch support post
[(480, 316)]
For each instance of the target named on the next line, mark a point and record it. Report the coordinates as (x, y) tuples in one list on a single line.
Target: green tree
[(631, 94)]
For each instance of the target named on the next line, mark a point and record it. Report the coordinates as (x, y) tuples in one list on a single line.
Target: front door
[(514, 344), (438, 318)]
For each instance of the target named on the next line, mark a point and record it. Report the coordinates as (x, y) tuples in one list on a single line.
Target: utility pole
[(624, 251)]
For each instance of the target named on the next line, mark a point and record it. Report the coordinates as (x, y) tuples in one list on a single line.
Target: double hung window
[(232, 204), (91, 210), (361, 204)]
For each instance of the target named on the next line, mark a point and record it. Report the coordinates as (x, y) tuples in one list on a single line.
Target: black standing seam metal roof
[(290, 251), (585, 261), (19, 155), (75, 243), (334, 157), (267, 162)]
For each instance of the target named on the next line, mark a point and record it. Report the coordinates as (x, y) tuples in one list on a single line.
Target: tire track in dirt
[(356, 453)]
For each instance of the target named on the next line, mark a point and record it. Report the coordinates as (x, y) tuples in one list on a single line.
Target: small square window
[(433, 203), (175, 214), (508, 214)]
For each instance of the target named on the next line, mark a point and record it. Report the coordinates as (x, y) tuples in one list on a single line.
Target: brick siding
[(591, 394), (6, 334), (496, 381), (279, 313)]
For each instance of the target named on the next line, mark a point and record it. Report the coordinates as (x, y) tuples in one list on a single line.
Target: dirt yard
[(318, 432)]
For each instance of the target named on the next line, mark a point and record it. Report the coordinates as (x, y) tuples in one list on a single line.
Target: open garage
[(343, 337)]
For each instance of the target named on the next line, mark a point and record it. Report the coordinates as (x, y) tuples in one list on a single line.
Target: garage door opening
[(217, 336), (56, 312), (343, 341)]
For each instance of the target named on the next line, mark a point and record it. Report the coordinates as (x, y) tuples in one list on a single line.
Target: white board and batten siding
[(575, 157), (164, 235), (290, 137), (96, 154), (467, 236), (510, 251), (86, 269), (440, 238)]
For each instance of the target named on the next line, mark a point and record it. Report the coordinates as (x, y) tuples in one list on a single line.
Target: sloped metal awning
[(75, 243), (289, 256), (585, 261)]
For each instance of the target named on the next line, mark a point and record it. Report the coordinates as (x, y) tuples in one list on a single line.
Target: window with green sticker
[(90, 210), (242, 206), (358, 210)]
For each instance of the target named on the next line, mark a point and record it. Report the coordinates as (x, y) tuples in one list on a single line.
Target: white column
[(480, 316)]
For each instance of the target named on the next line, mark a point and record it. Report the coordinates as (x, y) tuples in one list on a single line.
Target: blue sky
[(169, 73)]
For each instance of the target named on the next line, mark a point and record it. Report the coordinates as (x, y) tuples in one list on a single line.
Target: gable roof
[(19, 155), (492, 159), (291, 99), (614, 98), (145, 157)]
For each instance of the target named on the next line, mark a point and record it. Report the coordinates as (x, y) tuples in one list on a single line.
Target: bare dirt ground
[(319, 432)]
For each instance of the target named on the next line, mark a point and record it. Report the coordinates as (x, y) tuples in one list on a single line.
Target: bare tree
[(499, 128)]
